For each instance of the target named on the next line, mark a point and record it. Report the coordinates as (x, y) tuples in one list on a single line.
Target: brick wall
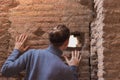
[(112, 39), (5, 24), (37, 17)]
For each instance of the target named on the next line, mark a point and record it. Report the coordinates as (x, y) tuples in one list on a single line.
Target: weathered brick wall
[(37, 17), (112, 39), (5, 24)]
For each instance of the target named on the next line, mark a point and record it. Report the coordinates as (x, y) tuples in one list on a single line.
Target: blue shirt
[(39, 65)]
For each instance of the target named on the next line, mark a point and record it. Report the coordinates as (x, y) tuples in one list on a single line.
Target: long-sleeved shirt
[(39, 65)]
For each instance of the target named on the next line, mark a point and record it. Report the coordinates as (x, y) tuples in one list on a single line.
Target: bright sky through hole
[(73, 41)]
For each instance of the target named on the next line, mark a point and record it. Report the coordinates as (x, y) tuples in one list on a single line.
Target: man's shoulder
[(36, 51)]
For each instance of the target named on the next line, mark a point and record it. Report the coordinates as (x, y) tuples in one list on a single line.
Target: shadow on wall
[(85, 3)]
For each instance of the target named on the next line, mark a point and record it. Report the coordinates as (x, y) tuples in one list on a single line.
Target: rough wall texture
[(5, 24), (112, 40), (37, 17), (96, 46)]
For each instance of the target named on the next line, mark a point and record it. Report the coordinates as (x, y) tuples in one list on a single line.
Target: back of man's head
[(59, 35)]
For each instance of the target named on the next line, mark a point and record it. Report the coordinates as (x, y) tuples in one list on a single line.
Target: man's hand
[(75, 59), (20, 42)]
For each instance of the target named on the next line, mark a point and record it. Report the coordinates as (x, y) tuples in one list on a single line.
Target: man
[(43, 64)]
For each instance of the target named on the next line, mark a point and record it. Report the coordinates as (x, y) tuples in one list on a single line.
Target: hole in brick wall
[(73, 41), (76, 41)]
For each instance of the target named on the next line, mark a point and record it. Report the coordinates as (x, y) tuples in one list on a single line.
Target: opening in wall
[(76, 41)]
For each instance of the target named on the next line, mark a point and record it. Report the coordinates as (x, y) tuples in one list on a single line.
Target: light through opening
[(73, 41)]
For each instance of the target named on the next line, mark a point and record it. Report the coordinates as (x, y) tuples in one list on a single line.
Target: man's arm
[(74, 72), (16, 63), (69, 73)]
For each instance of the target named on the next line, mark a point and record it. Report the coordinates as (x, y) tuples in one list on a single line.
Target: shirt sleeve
[(15, 63), (74, 72), (70, 73)]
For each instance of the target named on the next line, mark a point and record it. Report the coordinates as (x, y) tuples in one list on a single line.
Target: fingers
[(20, 42), (24, 38), (76, 54), (21, 38), (73, 54), (17, 38)]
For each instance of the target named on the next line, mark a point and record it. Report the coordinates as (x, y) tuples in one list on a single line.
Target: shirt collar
[(55, 50)]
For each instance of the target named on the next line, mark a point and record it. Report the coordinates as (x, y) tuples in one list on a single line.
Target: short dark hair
[(58, 35)]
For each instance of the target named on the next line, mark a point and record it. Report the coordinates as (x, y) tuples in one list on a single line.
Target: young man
[(43, 64)]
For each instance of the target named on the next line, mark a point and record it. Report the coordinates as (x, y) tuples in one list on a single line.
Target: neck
[(63, 47)]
